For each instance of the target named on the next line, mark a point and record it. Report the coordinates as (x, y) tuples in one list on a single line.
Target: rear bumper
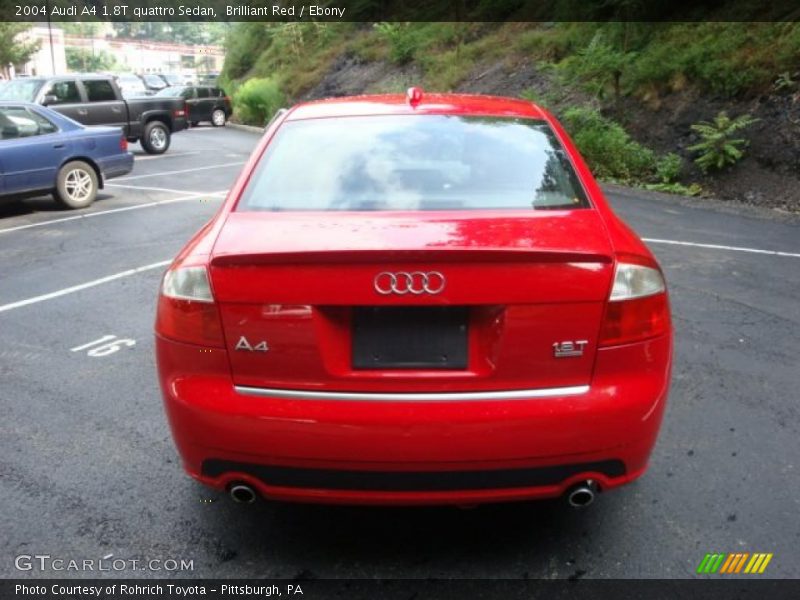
[(179, 124), (116, 166), (415, 452)]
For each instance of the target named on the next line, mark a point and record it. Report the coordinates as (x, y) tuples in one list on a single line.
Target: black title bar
[(397, 10), (733, 588)]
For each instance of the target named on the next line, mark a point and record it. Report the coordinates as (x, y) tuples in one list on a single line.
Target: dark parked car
[(203, 103), (171, 78), (131, 86), (153, 82), (42, 151), (97, 100)]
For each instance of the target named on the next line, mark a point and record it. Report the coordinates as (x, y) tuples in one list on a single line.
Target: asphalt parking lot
[(88, 468)]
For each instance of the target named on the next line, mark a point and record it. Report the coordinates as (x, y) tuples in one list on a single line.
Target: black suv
[(203, 103)]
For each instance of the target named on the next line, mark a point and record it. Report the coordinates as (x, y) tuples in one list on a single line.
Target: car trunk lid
[(412, 302)]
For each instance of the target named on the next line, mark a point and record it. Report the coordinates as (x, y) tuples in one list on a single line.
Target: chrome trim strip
[(575, 390)]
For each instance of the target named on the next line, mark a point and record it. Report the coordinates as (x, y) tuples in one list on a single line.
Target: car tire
[(218, 118), (76, 185), (195, 123), (156, 138)]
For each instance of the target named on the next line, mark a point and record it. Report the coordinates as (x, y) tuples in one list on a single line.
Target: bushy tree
[(13, 50), (602, 63), (84, 60), (607, 147), (257, 100)]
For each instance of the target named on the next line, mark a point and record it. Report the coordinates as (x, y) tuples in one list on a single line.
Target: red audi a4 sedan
[(414, 299)]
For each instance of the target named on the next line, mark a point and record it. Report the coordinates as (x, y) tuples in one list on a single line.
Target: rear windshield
[(413, 162)]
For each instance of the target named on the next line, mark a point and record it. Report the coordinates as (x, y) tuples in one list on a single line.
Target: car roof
[(399, 104), (84, 76), (26, 79)]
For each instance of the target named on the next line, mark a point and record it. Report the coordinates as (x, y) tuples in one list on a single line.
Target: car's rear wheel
[(156, 138), (76, 185), (218, 118)]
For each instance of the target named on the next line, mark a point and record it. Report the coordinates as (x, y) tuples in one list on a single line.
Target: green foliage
[(669, 167), (182, 32), (784, 82), (86, 61), (13, 49), (548, 98), (533, 95), (600, 65), (256, 100), (403, 40), (675, 188), (727, 58), (294, 54), (607, 147), (243, 45), (724, 58), (718, 147), (83, 29)]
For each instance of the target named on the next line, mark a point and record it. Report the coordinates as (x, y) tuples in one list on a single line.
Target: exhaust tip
[(582, 495), (242, 493)]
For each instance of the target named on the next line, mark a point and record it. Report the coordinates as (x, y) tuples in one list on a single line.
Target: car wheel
[(156, 138), (76, 184), (218, 118)]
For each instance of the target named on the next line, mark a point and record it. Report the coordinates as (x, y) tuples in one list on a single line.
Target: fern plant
[(784, 82), (718, 147)]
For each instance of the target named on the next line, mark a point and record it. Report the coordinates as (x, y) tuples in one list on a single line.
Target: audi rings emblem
[(414, 282)]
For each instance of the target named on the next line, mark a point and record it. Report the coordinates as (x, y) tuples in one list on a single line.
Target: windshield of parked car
[(154, 80), (21, 90), (416, 162), (130, 82)]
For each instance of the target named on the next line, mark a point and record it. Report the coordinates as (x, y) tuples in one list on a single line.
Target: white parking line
[(83, 286), (153, 189), (230, 164), (721, 247), (139, 157), (114, 210)]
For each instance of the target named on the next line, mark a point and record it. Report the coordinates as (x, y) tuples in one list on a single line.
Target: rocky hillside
[(632, 95)]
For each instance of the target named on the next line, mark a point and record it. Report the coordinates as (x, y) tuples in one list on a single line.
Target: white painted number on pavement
[(108, 344)]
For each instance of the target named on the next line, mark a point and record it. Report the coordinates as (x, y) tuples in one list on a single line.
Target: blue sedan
[(42, 151)]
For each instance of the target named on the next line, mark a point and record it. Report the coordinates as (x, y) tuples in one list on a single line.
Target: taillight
[(180, 112), (186, 309), (123, 144), (638, 308)]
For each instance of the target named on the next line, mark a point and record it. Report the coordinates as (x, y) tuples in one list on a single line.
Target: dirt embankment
[(768, 176)]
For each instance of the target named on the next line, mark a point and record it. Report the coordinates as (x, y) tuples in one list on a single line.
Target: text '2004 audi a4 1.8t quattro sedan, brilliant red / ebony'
[(414, 299)]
